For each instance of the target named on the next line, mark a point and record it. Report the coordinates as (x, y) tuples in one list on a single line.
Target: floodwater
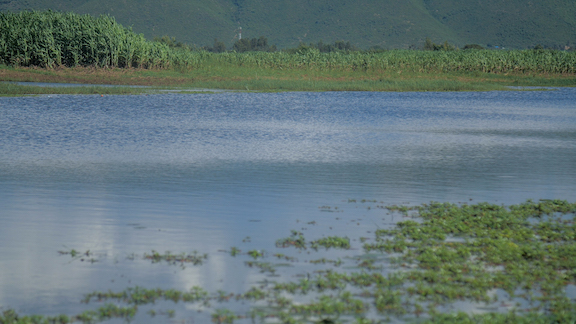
[(122, 176)]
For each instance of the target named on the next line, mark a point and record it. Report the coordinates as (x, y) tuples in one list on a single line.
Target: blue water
[(122, 175)]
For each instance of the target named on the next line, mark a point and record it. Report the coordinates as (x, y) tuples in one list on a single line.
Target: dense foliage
[(419, 61), (49, 39), (253, 45)]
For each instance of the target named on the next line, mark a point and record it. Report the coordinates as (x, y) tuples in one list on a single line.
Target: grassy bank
[(270, 79), (66, 47), (52, 39), (514, 262), (11, 89)]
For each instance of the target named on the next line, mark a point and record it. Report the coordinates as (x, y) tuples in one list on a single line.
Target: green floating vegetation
[(263, 266), (331, 242), (142, 296), (103, 313), (73, 253), (223, 316), (234, 251), (515, 260), (296, 240), (194, 258), (82, 256), (256, 253), (285, 257), (463, 252), (324, 260)]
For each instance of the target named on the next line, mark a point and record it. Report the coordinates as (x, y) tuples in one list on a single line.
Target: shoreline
[(139, 81)]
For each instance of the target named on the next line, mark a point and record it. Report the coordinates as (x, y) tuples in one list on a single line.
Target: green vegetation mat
[(515, 263)]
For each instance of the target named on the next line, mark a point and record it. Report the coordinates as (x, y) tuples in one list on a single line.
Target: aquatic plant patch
[(331, 242), (194, 258), (516, 262)]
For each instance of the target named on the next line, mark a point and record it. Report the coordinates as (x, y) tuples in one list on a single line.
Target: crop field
[(66, 47), (52, 39)]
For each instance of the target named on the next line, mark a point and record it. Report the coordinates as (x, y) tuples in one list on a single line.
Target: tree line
[(261, 44)]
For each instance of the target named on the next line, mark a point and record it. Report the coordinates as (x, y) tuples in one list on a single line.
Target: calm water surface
[(125, 175)]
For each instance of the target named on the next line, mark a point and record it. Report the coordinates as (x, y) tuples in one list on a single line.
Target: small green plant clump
[(285, 257), (234, 251), (194, 258), (102, 313), (142, 296), (296, 240), (263, 266), (73, 253), (331, 242), (324, 260), (82, 256), (223, 316), (256, 253), (10, 316)]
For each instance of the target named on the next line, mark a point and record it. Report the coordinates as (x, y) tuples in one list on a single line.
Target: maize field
[(50, 39)]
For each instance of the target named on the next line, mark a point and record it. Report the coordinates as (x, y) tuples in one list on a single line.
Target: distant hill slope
[(386, 23)]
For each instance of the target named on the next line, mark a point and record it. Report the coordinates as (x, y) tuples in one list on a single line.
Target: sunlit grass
[(268, 79), (11, 89), (67, 47)]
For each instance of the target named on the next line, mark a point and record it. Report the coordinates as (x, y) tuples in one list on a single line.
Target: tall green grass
[(49, 39), (525, 61)]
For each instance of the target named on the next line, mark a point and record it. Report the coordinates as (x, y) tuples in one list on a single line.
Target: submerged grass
[(441, 254)]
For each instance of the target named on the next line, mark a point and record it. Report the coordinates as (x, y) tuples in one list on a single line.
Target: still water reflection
[(124, 175)]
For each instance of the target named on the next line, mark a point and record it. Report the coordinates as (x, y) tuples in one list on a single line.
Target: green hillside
[(509, 23), (385, 23)]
